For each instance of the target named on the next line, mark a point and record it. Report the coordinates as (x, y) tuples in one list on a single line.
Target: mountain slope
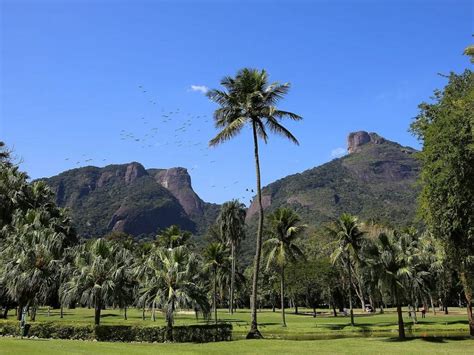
[(131, 199), (376, 180)]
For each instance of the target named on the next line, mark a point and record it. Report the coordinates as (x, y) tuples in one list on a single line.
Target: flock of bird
[(146, 134)]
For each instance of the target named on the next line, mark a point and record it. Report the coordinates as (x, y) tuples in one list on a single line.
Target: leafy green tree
[(249, 98), (470, 52), (446, 128), (283, 229), (348, 238), (232, 227), (4, 154), (215, 257)]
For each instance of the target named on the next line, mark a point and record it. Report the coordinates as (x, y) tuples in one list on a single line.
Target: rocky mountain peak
[(134, 171), (178, 182), (357, 139)]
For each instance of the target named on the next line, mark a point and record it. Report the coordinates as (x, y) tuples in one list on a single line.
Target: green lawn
[(300, 326), (304, 334), (339, 346)]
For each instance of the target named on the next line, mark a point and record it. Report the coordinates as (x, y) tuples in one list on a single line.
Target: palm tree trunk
[(215, 295), (401, 326), (282, 295), (468, 296), (125, 312), (350, 289), (153, 312), (33, 314), (169, 328), (98, 308), (432, 305), (61, 312), (143, 312), (169, 323), (19, 312), (254, 332), (232, 279)]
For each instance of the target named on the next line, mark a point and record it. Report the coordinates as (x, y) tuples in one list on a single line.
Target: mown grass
[(333, 346), (300, 326)]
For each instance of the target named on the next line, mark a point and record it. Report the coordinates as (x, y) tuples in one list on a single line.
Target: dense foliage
[(446, 128)]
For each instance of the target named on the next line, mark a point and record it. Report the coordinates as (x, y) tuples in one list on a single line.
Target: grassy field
[(300, 326), (333, 346), (325, 334)]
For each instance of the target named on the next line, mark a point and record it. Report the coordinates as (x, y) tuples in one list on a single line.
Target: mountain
[(131, 199), (375, 180)]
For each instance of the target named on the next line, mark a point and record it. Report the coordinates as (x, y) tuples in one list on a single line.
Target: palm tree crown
[(283, 228), (250, 99)]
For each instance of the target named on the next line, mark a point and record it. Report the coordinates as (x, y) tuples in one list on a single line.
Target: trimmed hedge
[(124, 333)]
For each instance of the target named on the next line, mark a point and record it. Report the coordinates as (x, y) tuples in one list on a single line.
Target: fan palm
[(32, 256), (283, 229), (93, 280), (348, 239), (171, 282), (395, 271), (232, 224), (172, 237), (250, 99)]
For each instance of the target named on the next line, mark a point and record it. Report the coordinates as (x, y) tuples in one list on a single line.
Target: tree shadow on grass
[(429, 339), (398, 340)]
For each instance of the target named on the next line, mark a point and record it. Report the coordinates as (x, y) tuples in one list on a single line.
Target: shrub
[(124, 333)]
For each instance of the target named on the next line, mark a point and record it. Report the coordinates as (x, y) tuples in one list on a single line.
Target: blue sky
[(73, 76)]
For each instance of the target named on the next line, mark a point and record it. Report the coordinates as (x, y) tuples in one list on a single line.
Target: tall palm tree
[(348, 238), (215, 257), (171, 282), (248, 98), (283, 229), (232, 225)]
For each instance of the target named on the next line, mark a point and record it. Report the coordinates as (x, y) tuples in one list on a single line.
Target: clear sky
[(83, 80)]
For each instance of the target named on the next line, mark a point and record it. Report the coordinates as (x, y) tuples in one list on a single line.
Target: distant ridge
[(131, 199), (376, 180)]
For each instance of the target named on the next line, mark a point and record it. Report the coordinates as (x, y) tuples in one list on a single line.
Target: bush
[(202, 333), (124, 333), (9, 328)]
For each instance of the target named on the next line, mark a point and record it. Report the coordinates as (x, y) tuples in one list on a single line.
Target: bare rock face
[(357, 139), (253, 209), (178, 182), (104, 178), (133, 172)]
